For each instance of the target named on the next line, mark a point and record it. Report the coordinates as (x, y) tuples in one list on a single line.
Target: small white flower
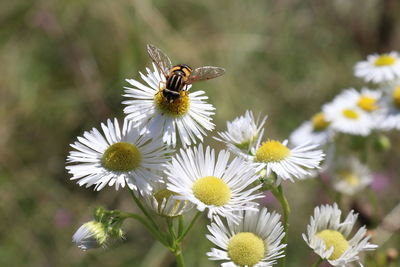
[(391, 109), (211, 183), (346, 117), (287, 163), (242, 133), (350, 176), (315, 131), (379, 68), (116, 158), (189, 115), (330, 238), (255, 241), (367, 99), (165, 202), (90, 235)]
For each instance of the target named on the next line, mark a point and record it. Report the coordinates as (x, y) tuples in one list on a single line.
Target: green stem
[(181, 225), (184, 233), (143, 209), (179, 256), (171, 229), (154, 227), (318, 262), (145, 223), (280, 196), (172, 235)]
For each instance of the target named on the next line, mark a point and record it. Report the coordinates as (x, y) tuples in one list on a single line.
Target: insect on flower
[(179, 76)]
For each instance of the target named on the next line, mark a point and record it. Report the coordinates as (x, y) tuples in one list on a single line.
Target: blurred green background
[(62, 70)]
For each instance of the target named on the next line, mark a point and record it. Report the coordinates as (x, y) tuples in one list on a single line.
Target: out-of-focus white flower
[(350, 176), (315, 131), (390, 116), (346, 117), (379, 68)]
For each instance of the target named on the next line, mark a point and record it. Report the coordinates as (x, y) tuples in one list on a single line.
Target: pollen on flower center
[(396, 97), (272, 151), (121, 157), (350, 114), (212, 191), (319, 122), (246, 249), (367, 103), (385, 60), (177, 107), (335, 239)]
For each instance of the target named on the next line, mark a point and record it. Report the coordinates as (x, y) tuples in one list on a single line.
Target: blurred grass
[(63, 65)]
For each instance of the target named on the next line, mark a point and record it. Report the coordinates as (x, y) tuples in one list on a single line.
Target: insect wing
[(205, 73), (159, 58)]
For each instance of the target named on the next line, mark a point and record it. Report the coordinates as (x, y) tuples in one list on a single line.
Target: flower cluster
[(361, 112), (367, 114), (168, 183)]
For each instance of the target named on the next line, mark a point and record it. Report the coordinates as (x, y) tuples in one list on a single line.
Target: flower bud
[(90, 235)]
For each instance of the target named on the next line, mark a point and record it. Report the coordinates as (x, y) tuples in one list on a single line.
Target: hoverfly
[(179, 76)]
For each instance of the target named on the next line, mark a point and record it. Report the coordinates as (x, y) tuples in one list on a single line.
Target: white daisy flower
[(350, 176), (315, 131), (242, 133), (255, 241), (330, 239), (164, 202), (188, 115), (391, 110), (116, 158), (211, 183), (379, 68), (367, 99), (287, 163), (346, 117), (90, 235)]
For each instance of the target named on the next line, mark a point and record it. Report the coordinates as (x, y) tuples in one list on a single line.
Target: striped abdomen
[(177, 77), (175, 82)]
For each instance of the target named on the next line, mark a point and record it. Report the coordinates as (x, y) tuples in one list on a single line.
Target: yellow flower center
[(246, 249), (212, 191), (385, 60), (396, 97), (350, 114), (367, 103), (177, 107), (335, 239), (319, 122), (349, 177), (272, 151), (121, 157)]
